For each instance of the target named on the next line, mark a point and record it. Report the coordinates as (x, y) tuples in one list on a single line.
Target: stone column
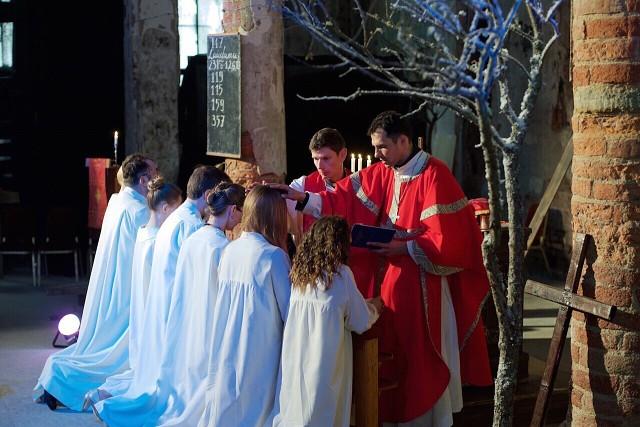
[(606, 204), (152, 71), (263, 127)]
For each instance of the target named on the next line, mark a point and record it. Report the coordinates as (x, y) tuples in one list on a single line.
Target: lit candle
[(115, 146), (359, 162), (368, 160), (353, 162)]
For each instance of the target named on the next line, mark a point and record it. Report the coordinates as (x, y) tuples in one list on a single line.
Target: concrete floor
[(28, 322)]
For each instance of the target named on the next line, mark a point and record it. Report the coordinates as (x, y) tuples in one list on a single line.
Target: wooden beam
[(576, 302), (550, 192), (580, 244)]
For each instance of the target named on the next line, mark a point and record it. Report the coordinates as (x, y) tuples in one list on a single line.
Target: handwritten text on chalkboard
[(223, 95)]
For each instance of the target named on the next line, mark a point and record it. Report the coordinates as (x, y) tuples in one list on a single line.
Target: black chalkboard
[(223, 95)]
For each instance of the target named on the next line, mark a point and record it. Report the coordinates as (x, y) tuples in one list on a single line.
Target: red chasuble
[(359, 259), (429, 210), (314, 184)]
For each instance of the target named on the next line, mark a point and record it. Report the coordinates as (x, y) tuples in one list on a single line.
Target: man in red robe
[(329, 151), (435, 283)]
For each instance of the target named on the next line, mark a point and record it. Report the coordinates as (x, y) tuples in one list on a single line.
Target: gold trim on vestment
[(472, 327), (357, 187), (422, 259), (454, 207)]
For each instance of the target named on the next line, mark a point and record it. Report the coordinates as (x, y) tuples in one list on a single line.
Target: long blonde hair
[(265, 212)]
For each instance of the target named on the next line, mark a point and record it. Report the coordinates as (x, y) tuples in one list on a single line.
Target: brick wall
[(263, 145), (606, 204)]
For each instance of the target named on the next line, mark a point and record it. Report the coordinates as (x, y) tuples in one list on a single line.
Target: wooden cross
[(569, 301)]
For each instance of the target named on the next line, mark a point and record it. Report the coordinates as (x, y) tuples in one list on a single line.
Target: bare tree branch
[(455, 54)]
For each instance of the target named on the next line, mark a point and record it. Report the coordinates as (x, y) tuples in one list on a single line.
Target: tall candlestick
[(368, 160), (359, 162), (115, 147), (353, 162)]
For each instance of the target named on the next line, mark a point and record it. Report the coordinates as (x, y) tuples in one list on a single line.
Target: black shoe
[(51, 401)]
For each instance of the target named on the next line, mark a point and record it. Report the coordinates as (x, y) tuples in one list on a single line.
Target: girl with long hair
[(162, 199), (325, 307), (249, 316)]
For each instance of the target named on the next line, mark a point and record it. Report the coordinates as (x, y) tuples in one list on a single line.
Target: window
[(6, 41), (196, 19), (6, 45)]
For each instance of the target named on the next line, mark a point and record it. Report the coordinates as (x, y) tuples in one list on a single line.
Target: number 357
[(217, 120)]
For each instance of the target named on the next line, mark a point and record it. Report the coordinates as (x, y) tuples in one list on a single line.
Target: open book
[(362, 234)]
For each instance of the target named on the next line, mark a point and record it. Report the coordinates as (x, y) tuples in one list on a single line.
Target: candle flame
[(115, 134), (360, 156)]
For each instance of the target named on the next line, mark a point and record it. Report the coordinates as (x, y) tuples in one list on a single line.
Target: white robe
[(103, 342), (186, 359), (251, 308), (317, 355), (142, 257), (183, 222)]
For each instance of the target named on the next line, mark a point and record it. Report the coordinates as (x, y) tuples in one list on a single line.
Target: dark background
[(64, 98)]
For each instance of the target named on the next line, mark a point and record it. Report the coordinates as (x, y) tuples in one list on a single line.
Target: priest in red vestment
[(434, 284), (328, 152)]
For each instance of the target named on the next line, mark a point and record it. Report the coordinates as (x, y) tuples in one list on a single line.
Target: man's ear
[(342, 154), (404, 140)]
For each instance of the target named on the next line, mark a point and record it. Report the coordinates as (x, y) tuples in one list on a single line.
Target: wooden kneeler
[(365, 380), (367, 384)]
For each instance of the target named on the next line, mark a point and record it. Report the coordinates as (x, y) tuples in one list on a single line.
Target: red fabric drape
[(98, 198)]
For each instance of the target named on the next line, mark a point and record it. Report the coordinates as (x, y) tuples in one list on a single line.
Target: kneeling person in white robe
[(182, 383), (184, 221), (325, 307), (162, 199), (103, 343), (248, 319)]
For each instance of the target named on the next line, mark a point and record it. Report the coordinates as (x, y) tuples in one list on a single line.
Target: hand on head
[(288, 192), (251, 186)]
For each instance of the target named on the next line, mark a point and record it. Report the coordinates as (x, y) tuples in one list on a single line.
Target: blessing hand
[(288, 192)]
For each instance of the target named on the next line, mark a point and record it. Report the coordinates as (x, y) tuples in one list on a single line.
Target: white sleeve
[(313, 206), (360, 315), (280, 281), (298, 185)]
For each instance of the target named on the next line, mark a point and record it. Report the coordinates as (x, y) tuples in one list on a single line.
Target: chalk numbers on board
[(223, 95), (217, 120)]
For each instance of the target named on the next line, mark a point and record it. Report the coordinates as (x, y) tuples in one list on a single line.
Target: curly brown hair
[(324, 248)]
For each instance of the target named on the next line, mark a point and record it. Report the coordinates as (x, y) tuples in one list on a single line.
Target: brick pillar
[(606, 204), (152, 73), (263, 145)]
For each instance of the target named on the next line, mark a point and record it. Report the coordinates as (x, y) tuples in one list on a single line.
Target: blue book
[(362, 234)]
